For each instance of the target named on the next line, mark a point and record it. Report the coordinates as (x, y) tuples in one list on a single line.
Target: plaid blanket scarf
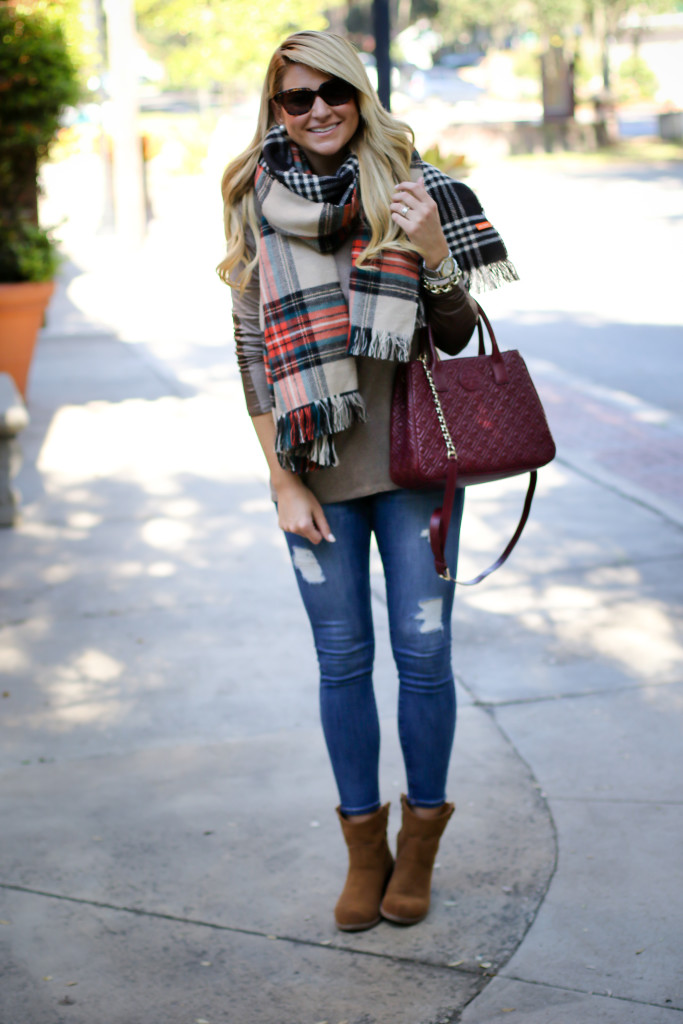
[(312, 335)]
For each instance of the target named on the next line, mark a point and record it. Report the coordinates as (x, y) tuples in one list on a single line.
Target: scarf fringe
[(486, 278), (301, 433), (314, 455), (375, 344)]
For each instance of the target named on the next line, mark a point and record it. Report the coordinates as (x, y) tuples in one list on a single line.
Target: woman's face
[(324, 132)]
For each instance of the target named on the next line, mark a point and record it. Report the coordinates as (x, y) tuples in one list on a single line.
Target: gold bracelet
[(446, 284)]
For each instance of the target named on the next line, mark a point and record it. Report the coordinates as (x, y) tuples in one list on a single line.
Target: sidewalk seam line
[(538, 790), (549, 698), (615, 800), (490, 711), (588, 992), (392, 957)]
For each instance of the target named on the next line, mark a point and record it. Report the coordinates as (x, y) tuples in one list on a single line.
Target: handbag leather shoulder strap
[(440, 523), (441, 517)]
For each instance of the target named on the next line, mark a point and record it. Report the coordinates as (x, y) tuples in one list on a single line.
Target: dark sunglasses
[(334, 92)]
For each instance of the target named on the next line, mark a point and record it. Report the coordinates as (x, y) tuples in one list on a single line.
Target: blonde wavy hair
[(383, 146)]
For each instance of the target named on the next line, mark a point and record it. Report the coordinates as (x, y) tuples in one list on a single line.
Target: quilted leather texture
[(499, 430)]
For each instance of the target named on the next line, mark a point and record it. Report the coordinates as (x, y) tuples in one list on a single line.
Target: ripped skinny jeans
[(334, 580)]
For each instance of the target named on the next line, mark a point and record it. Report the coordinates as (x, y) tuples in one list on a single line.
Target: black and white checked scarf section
[(476, 245), (478, 248), (288, 164)]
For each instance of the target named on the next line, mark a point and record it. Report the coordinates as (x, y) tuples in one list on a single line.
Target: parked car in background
[(468, 59), (368, 60), (440, 81)]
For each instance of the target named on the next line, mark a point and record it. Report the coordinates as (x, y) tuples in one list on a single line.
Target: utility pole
[(129, 201), (380, 17), (107, 221)]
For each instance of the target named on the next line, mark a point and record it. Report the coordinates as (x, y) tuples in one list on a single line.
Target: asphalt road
[(599, 253)]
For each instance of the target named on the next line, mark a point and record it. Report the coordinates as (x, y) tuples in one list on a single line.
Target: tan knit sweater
[(363, 449)]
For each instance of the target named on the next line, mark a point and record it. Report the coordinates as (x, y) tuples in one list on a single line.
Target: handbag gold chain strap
[(450, 447)]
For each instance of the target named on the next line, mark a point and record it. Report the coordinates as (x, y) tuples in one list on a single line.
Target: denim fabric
[(334, 580)]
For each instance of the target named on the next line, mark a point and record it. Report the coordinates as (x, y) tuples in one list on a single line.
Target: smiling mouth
[(323, 131)]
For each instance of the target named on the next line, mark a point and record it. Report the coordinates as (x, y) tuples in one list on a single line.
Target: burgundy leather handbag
[(462, 421)]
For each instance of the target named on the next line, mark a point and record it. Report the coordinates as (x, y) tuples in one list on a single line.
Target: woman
[(340, 243)]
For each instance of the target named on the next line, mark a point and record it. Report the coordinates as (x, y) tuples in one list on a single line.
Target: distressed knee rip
[(308, 565), (430, 615)]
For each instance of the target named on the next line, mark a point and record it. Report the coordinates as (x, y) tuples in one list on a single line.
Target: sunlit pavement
[(170, 850)]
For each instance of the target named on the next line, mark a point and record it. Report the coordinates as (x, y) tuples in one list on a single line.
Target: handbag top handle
[(432, 359)]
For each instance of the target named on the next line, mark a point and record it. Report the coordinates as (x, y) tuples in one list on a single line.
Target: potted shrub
[(38, 80)]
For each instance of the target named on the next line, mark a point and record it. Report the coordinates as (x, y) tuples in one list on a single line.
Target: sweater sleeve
[(453, 317), (250, 347)]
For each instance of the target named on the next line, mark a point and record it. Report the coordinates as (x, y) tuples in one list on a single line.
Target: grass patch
[(632, 151)]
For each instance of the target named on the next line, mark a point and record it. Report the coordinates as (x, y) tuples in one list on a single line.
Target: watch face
[(447, 266)]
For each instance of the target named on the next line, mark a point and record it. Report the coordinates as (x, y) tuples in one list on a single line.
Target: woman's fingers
[(302, 524), (412, 186), (411, 193), (300, 512), (414, 210), (323, 525), (412, 204)]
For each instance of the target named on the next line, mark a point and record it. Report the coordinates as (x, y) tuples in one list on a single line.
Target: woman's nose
[(320, 108)]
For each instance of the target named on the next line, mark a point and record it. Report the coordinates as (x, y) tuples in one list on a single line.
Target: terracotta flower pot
[(22, 308)]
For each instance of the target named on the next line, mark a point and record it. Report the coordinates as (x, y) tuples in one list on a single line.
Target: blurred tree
[(635, 80), (555, 17), (77, 24), (496, 21), (471, 23), (358, 19), (602, 18), (206, 43), (38, 80)]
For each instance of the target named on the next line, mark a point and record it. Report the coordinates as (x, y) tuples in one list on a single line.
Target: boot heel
[(408, 894), (370, 867)]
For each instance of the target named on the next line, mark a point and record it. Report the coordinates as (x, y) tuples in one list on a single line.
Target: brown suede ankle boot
[(370, 865), (406, 900)]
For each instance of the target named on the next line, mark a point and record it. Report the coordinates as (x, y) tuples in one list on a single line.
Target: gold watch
[(442, 278), (446, 268)]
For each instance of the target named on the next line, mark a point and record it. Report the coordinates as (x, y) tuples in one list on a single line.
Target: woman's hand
[(420, 221), (300, 512)]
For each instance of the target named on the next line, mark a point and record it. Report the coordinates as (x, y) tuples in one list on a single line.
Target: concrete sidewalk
[(170, 852)]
